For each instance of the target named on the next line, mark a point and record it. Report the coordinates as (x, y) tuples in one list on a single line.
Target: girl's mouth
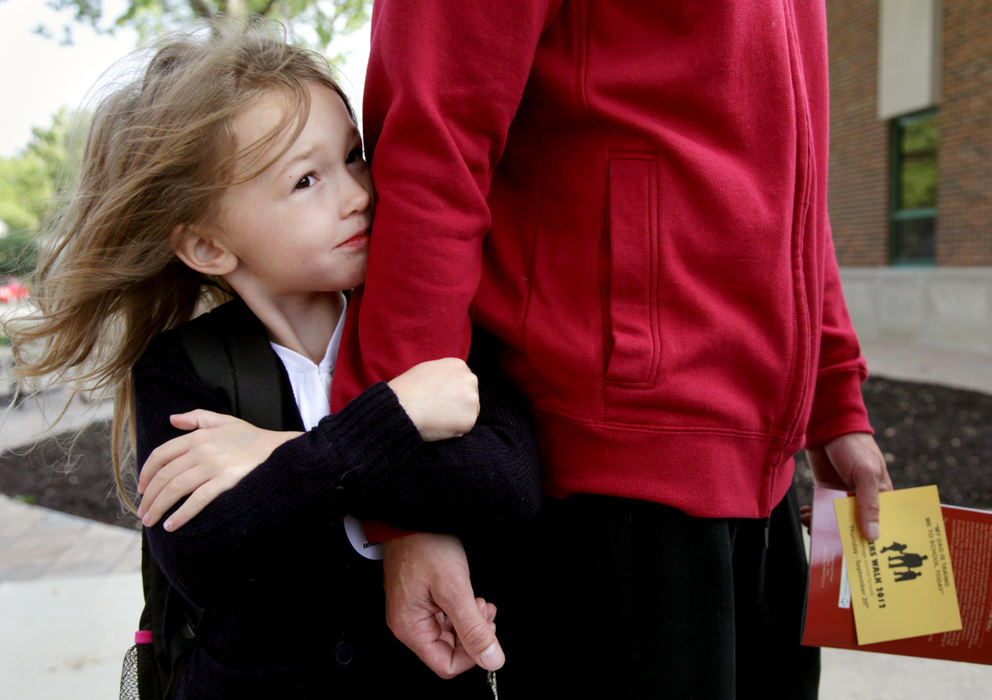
[(360, 240)]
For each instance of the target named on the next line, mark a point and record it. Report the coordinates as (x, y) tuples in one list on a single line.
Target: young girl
[(232, 168)]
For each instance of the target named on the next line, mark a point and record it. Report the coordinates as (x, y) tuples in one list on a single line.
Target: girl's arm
[(441, 397), (489, 476), (368, 454)]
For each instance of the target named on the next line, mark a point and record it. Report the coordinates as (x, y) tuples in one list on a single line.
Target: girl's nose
[(356, 196)]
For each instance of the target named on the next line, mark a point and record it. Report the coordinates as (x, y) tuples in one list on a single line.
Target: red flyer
[(830, 618)]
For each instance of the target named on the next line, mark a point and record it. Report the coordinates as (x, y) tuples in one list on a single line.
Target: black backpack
[(231, 355)]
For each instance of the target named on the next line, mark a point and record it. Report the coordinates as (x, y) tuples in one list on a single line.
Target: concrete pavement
[(70, 595), (70, 589), (955, 368)]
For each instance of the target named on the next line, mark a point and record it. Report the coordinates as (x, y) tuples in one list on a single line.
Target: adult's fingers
[(428, 634), (868, 510), (487, 610), (824, 473), (476, 634), (859, 462)]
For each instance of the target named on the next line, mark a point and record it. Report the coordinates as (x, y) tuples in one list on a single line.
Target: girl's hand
[(202, 464), (441, 397)]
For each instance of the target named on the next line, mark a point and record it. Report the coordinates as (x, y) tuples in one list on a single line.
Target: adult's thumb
[(477, 636)]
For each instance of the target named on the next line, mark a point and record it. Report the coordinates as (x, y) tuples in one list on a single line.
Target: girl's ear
[(202, 252)]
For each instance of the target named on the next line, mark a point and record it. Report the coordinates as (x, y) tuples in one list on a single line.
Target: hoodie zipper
[(803, 351)]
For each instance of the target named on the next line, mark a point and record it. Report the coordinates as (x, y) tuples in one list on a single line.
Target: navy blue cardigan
[(291, 609)]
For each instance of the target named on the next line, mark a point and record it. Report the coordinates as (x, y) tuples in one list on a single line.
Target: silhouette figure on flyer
[(907, 561)]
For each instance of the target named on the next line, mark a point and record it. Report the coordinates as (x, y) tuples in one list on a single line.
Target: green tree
[(316, 21), (29, 183)]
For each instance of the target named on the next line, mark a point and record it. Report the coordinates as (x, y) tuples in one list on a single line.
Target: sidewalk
[(954, 368), (70, 589), (70, 596)]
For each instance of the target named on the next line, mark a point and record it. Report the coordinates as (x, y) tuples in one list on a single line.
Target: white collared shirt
[(312, 382), (312, 391)]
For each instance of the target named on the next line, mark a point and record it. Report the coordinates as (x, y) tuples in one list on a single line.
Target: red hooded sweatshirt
[(631, 195)]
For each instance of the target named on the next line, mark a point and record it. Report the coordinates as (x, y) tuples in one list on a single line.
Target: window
[(914, 189)]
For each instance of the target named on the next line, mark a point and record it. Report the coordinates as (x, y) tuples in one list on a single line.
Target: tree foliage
[(317, 21), (29, 184)]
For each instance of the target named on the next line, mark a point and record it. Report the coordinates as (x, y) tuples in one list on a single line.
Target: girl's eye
[(308, 180), (355, 155)]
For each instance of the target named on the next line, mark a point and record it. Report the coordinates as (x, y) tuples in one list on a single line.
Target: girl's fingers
[(195, 450), (176, 480), (162, 456), (199, 476), (173, 492), (157, 481), (200, 418), (202, 464), (170, 450), (197, 501)]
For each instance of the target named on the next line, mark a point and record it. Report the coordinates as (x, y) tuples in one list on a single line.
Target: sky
[(37, 75)]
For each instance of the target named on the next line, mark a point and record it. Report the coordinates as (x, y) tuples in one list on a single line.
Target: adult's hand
[(431, 608), (854, 462)]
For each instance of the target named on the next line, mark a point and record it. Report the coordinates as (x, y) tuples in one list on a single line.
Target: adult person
[(631, 196)]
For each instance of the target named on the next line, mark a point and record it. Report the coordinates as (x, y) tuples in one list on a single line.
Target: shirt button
[(344, 653)]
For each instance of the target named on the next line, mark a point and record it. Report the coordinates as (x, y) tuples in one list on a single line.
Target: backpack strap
[(230, 353)]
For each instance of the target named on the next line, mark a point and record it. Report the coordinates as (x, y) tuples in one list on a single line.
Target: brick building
[(943, 75), (911, 166)]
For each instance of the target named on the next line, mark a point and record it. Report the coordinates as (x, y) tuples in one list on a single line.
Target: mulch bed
[(929, 434), (70, 472)]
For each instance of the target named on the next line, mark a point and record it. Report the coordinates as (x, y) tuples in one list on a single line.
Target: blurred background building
[(910, 167)]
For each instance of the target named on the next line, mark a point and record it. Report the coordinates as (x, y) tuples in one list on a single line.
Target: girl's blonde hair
[(159, 152)]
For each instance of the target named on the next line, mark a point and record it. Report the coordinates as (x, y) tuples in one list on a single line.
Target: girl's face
[(302, 225)]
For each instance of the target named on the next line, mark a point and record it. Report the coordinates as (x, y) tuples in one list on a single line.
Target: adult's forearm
[(444, 82)]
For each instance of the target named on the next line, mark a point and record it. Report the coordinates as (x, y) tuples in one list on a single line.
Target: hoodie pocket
[(632, 342)]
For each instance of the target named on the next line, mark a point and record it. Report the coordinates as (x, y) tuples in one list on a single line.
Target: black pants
[(615, 598)]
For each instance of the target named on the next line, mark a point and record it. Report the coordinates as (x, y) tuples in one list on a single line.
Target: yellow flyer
[(902, 584)]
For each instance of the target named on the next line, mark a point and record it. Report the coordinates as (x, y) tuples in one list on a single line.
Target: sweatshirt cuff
[(838, 408), (377, 532)]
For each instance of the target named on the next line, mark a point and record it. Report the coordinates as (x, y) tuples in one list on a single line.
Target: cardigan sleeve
[(444, 82), (479, 481), (366, 459)]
